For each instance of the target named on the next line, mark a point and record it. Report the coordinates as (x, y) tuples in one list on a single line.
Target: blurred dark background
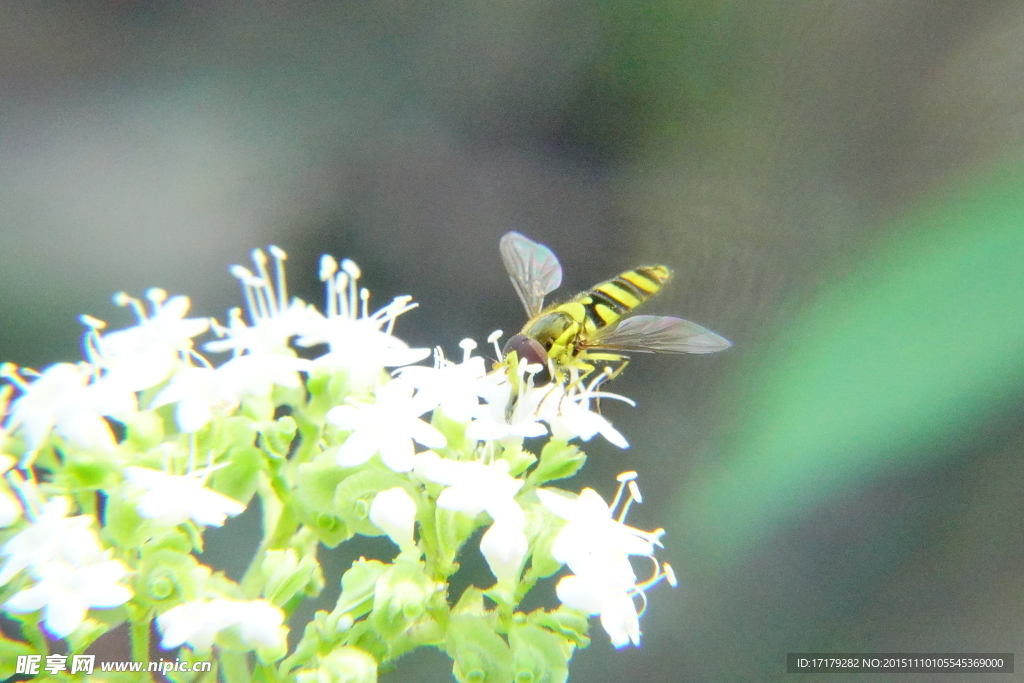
[(838, 186)]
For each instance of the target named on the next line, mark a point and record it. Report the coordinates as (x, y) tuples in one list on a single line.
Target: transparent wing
[(533, 268), (658, 334)]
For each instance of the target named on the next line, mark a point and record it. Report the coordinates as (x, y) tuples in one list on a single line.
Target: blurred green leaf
[(921, 344)]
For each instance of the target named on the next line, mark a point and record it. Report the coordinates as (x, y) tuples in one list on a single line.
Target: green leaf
[(479, 653)]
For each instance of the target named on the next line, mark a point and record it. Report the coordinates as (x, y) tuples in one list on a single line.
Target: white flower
[(198, 622), (591, 533), (596, 546), (598, 592), (394, 511), (358, 339), (198, 393), (140, 357), (474, 487), (569, 415), (66, 592), (268, 358), (491, 422), (452, 386), (388, 426), (62, 398), (274, 320), (53, 537), (256, 374), (172, 499)]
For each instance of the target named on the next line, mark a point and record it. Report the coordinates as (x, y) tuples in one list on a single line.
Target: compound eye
[(531, 352)]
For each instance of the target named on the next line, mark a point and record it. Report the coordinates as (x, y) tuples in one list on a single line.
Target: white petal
[(397, 453), (620, 621), (357, 449), (577, 593), (504, 546), (10, 508), (394, 511), (62, 617), (426, 434)]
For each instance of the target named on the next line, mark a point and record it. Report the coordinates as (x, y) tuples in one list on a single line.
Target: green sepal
[(470, 602), (539, 655), (285, 574), (240, 478), (357, 587), (401, 598), (480, 655), (345, 664), (122, 523), (564, 621), (458, 445), (236, 432), (363, 636), (166, 578), (453, 529), (542, 527), (354, 495), (144, 429), (519, 459), (315, 483), (86, 634), (88, 470), (558, 460), (257, 408), (279, 435)]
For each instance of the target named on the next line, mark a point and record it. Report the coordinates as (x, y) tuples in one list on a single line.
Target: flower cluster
[(114, 465)]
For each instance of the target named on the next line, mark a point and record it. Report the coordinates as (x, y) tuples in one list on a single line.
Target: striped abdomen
[(611, 299)]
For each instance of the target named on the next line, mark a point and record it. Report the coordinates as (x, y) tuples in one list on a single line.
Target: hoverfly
[(566, 339)]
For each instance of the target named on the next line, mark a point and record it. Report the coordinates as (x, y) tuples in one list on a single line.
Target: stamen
[(282, 284), (157, 296), (493, 338), (634, 491), (618, 493), (670, 575), (339, 300), (364, 299), (123, 299), (467, 345), (91, 322), (328, 267), (350, 267), (264, 301)]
